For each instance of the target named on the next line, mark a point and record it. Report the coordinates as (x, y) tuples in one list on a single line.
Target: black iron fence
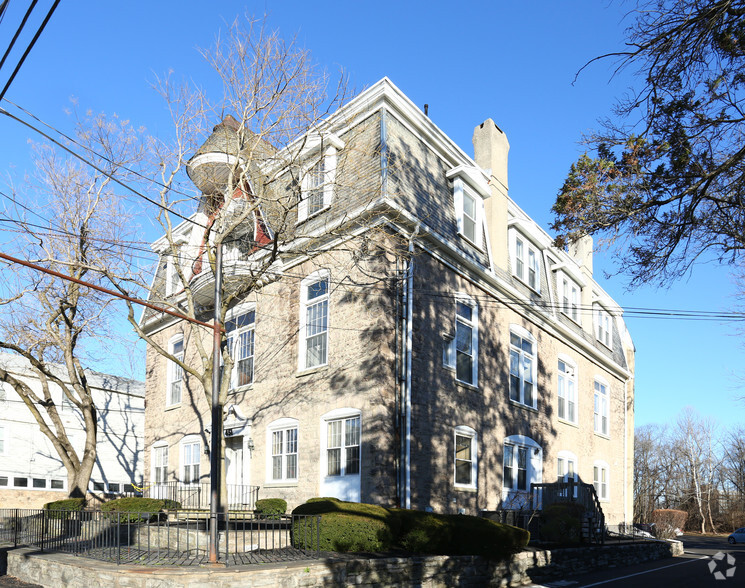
[(176, 538), (239, 496)]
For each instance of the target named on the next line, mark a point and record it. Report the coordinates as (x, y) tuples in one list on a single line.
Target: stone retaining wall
[(59, 570)]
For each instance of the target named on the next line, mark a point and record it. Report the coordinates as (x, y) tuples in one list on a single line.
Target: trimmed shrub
[(139, 508), (66, 504), (667, 520), (61, 509), (562, 523), (350, 526), (270, 507)]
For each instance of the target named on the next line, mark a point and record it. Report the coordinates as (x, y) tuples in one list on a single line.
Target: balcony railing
[(240, 497)]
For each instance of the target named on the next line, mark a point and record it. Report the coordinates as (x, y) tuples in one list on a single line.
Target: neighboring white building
[(31, 472)]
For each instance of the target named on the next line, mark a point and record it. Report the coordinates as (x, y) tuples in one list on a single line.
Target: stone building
[(31, 472), (435, 350)]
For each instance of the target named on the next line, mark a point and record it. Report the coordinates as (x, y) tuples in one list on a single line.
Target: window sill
[(239, 389), (571, 318), (519, 279), (468, 489), (525, 406), (288, 484), (463, 384), (603, 343), (602, 435), (471, 243), (310, 371), (300, 221), (570, 423), (172, 407)]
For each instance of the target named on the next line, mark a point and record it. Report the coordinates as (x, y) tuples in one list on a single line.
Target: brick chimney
[(490, 146)]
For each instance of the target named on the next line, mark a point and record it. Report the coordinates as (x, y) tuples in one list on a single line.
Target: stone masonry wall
[(53, 570)]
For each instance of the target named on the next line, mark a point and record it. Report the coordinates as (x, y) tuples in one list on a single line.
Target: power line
[(107, 174), (94, 152), (18, 30), (30, 46)]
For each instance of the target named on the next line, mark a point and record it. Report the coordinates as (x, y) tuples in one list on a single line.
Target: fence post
[(43, 527), (16, 525)]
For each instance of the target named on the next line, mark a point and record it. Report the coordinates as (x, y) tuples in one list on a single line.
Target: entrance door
[(236, 475)]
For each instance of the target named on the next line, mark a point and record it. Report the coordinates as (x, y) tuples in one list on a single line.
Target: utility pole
[(216, 433)]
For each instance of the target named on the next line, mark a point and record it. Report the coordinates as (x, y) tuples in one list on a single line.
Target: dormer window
[(319, 175), (603, 326), (469, 190), (568, 296), (526, 264)]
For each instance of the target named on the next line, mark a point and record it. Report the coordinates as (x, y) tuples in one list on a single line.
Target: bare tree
[(271, 162), (67, 218)]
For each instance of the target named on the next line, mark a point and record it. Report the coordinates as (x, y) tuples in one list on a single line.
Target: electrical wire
[(30, 46), (18, 30)]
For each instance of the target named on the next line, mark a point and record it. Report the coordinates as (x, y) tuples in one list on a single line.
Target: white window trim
[(450, 351), (282, 424), (600, 466), (3, 437), (329, 157), (459, 189), (234, 314), (190, 440), (171, 366), (570, 307), (604, 326), (335, 415), (314, 277), (528, 245), (574, 378), (603, 382), (159, 445), (534, 474), (525, 334), (465, 431), (567, 457)]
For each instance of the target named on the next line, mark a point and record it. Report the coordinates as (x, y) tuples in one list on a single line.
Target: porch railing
[(593, 524), (197, 496)]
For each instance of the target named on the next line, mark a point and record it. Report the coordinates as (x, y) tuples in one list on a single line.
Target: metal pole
[(216, 436)]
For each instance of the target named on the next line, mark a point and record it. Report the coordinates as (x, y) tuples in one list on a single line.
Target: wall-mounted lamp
[(250, 444)]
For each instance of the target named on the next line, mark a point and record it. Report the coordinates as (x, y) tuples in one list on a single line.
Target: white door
[(236, 473)]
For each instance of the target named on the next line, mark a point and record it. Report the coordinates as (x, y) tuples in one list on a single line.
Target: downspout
[(625, 450), (409, 346)]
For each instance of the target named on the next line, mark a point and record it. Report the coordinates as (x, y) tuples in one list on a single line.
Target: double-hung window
[(284, 445), (522, 367), (343, 446), (600, 479), (515, 464), (600, 407), (314, 321), (604, 326), (175, 372), (569, 293), (465, 457), (567, 392), (241, 347), (160, 464), (462, 351), (317, 185), (527, 262), (190, 456), (566, 470)]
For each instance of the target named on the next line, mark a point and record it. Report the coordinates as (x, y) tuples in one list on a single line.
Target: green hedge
[(271, 506), (138, 506), (61, 509), (66, 504), (350, 526)]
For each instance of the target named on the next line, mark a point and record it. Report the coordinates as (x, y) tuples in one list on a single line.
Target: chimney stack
[(491, 148)]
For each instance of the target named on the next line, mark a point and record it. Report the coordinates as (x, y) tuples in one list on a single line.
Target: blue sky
[(513, 62)]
